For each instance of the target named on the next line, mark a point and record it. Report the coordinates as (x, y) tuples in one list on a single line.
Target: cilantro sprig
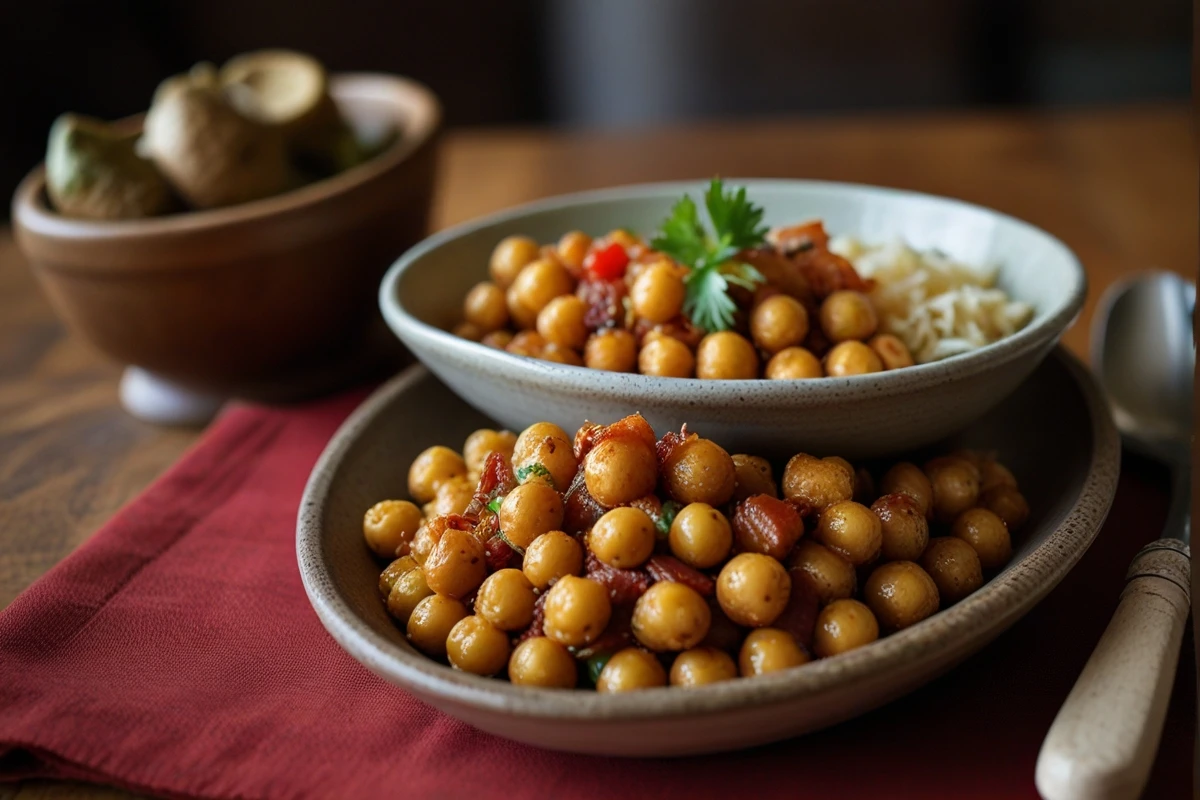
[(736, 225)]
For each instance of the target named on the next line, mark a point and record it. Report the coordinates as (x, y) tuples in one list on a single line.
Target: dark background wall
[(606, 63)]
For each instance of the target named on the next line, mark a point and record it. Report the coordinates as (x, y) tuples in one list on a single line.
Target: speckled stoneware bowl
[(1055, 433), (866, 415)]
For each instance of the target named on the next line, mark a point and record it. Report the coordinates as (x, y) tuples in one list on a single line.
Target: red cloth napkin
[(175, 653)]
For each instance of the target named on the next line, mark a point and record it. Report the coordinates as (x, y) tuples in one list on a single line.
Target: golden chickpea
[(622, 538), (506, 600), (547, 444), (726, 355), (752, 475), (509, 257), (572, 248), (753, 589), (987, 534), (670, 616), (431, 621), (457, 564), (779, 322), (794, 363), (485, 441), (620, 470), (701, 666), (842, 626), (841, 462), (561, 322), (848, 315), (815, 483), (992, 474), (576, 611), (769, 650), (409, 590), (851, 530), (954, 566), (527, 343), (530, 510), (561, 355), (453, 496), (485, 307), (905, 529), (389, 524), (700, 536), (900, 594), (611, 349), (1008, 504), (539, 661), (426, 538), (468, 331), (430, 469), (499, 340), (907, 478), (955, 483), (892, 352), (658, 292), (551, 556), (475, 645), (536, 285), (851, 358), (629, 670), (699, 471), (392, 573), (666, 357), (831, 576)]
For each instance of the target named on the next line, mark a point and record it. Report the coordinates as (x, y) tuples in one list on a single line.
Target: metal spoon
[(1103, 741)]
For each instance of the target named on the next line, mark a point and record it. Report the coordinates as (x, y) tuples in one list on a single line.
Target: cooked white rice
[(936, 306)]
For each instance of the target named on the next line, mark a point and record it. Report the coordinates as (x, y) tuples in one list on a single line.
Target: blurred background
[(608, 64)]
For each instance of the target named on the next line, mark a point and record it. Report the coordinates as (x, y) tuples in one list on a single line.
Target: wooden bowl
[(225, 298), (1055, 432)]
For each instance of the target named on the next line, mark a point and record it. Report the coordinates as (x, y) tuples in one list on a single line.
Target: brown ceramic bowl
[(248, 294)]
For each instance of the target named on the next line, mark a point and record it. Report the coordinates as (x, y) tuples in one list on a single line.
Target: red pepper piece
[(608, 263)]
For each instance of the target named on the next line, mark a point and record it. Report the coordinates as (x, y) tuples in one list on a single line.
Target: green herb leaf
[(595, 665), (534, 468), (737, 221), (494, 505), (666, 517)]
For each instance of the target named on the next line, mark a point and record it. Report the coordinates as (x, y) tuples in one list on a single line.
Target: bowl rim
[(1001, 601), (423, 113), (563, 377)]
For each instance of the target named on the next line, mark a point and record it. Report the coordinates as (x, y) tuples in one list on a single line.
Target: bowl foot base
[(158, 400)]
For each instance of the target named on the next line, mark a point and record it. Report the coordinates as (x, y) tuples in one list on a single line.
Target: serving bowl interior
[(868, 415), (1054, 432)]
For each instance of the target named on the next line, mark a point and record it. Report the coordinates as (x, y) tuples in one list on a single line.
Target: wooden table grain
[(1119, 186)]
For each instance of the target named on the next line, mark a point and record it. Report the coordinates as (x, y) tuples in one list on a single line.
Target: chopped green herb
[(494, 505), (595, 665), (666, 517), (532, 469)]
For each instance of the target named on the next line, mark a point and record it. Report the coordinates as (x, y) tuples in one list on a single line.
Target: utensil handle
[(1103, 741)]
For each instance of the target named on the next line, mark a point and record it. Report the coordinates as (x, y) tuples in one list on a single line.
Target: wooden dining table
[(1117, 185)]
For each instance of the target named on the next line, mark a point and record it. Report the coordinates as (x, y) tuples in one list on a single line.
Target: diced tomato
[(608, 263)]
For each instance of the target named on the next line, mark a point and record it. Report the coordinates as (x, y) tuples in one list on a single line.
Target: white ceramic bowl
[(861, 416)]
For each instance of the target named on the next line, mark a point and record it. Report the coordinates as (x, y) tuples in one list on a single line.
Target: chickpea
[(551, 556), (476, 646), (843, 463), (485, 307), (576, 611), (726, 355), (666, 357), (670, 616), (992, 474), (530, 510), (468, 331), (427, 537), (954, 567), (769, 650), (905, 529), (539, 661), (779, 322), (457, 564), (794, 363), (851, 530), (499, 340), (842, 626), (699, 471), (561, 355), (658, 292), (700, 536), (547, 444), (1008, 504), (506, 600), (955, 483), (572, 248), (620, 470), (815, 483), (623, 538), (485, 441), (509, 257), (430, 469), (830, 575), (900, 594), (536, 285), (753, 589), (701, 666), (987, 534), (892, 352), (907, 478), (409, 590), (631, 669), (848, 315), (561, 322), (611, 349), (752, 475), (389, 524), (392, 573), (431, 621), (453, 496), (851, 358)]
